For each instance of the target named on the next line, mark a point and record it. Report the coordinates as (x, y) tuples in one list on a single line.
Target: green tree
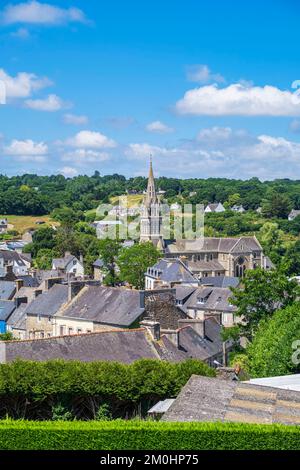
[(273, 351), (234, 199), (262, 294), (134, 261), (8, 336), (44, 258), (109, 251), (276, 204)]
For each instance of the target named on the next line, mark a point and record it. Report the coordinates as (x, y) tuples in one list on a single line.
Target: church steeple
[(151, 192), (151, 220)]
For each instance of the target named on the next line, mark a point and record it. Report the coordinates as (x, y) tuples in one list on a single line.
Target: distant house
[(216, 207), (39, 312), (98, 308), (3, 225), (6, 309), (18, 263), (238, 208), (99, 271), (293, 214), (69, 264), (208, 301), (168, 273)]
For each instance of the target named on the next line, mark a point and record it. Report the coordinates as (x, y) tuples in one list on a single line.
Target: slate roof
[(203, 348), (109, 305), (6, 309), (17, 319), (61, 263), (7, 289), (123, 346), (220, 281), (213, 265), (29, 281), (183, 292), (43, 274), (212, 244), (49, 302), (215, 298), (98, 263), (211, 399), (171, 270), (12, 256)]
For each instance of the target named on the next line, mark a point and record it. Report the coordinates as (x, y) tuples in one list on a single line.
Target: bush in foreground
[(74, 389), (145, 435)]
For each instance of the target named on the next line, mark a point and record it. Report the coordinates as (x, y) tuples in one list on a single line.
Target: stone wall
[(160, 306)]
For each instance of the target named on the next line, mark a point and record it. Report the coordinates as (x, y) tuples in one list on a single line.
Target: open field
[(132, 200), (21, 223)]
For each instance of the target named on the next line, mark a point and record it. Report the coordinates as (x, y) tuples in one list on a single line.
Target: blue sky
[(205, 87)]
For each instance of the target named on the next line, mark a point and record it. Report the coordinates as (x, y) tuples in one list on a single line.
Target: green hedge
[(145, 435), (30, 390)]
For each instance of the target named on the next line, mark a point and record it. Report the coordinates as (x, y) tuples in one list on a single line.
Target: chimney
[(197, 325), (36, 293), (152, 327), (74, 287), (81, 258), (19, 284), (142, 299), (20, 300), (51, 281)]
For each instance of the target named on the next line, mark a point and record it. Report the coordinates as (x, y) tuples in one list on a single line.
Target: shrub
[(145, 435), (31, 389)]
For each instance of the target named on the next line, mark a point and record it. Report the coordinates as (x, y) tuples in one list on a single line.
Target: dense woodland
[(37, 195)]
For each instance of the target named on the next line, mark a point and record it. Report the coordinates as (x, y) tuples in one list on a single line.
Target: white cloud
[(158, 127), (27, 150), (21, 33), (202, 73), (75, 119), (23, 84), (82, 156), (68, 171), (50, 104), (241, 100), (223, 152), (41, 13), (90, 139)]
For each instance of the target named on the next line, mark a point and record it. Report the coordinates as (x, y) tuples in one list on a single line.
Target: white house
[(216, 207), (69, 264), (12, 260)]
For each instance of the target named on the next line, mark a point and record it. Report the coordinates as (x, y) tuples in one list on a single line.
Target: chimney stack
[(152, 327), (197, 325), (74, 287), (19, 284)]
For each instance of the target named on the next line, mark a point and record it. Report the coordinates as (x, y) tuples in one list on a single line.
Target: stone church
[(206, 257)]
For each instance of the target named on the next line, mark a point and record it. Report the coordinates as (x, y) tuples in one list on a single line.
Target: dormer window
[(201, 300)]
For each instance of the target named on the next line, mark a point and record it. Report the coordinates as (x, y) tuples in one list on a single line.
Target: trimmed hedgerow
[(145, 435), (36, 390)]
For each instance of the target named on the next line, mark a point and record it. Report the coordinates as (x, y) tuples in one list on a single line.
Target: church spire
[(151, 193)]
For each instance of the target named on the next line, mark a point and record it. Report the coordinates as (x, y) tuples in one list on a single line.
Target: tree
[(234, 199), (276, 204), (134, 261), (8, 336), (275, 349), (291, 261), (262, 294), (44, 258), (109, 251)]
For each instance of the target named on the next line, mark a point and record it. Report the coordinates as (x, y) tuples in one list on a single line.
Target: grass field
[(21, 223), (132, 200)]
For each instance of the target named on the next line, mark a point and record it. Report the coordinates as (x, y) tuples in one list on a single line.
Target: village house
[(208, 301), (293, 214), (215, 207), (19, 263), (69, 265), (169, 273), (3, 225)]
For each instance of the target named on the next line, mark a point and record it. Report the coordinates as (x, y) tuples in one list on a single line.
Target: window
[(42, 334), (74, 262), (79, 330), (61, 330), (39, 318), (49, 319), (70, 331), (88, 331), (200, 300)]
